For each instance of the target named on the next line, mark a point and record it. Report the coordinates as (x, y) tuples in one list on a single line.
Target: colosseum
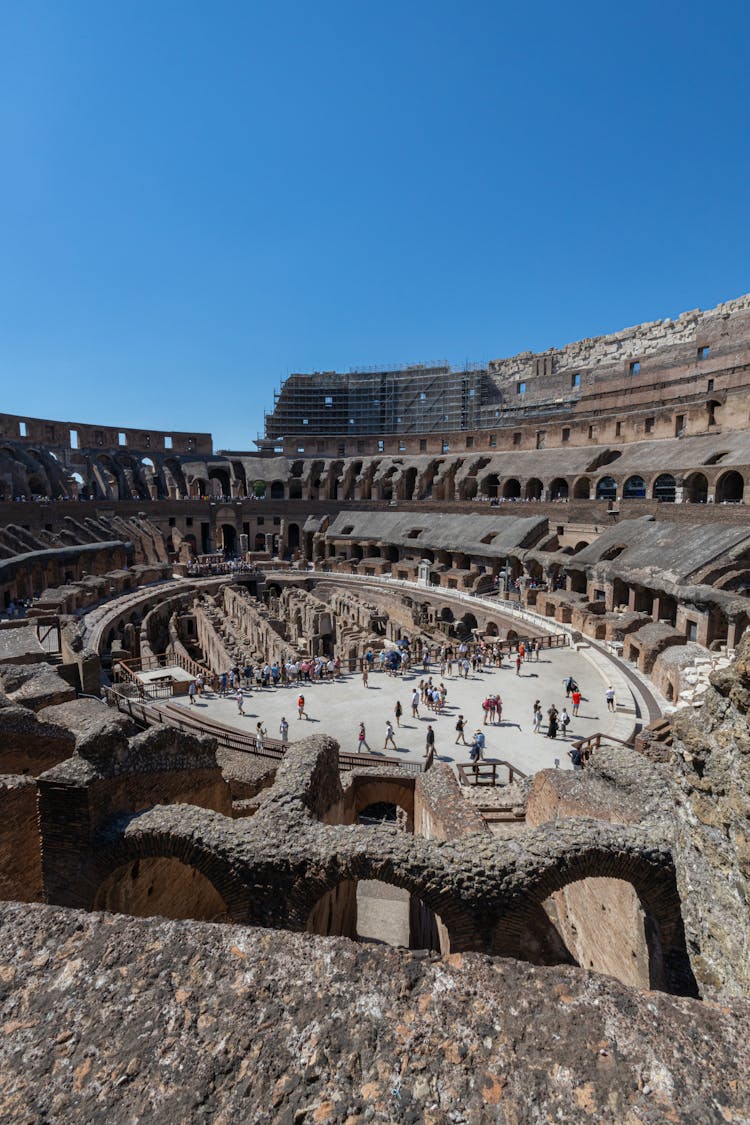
[(222, 898)]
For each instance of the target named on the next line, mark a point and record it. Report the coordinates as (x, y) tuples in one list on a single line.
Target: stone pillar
[(269, 542), (244, 544)]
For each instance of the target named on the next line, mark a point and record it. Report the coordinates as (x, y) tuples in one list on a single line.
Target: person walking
[(415, 704), (552, 718), (610, 697), (398, 712), (564, 722), (576, 758), (191, 692), (429, 742), (301, 712), (538, 716), (240, 700), (260, 732), (365, 673), (576, 697), (362, 739), (284, 732), (460, 724), (519, 658), (389, 735)]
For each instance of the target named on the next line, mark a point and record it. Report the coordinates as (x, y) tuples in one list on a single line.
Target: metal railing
[(486, 773)]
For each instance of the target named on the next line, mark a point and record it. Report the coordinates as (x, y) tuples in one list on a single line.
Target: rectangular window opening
[(22, 429), (521, 388), (566, 433), (167, 441), (122, 439), (516, 439), (328, 400), (575, 380), (649, 425), (381, 446), (635, 367), (74, 439), (704, 352)]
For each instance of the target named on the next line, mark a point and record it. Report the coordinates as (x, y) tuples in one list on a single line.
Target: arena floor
[(338, 708)]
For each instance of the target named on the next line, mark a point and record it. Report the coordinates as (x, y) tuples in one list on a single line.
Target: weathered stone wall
[(712, 825), (167, 1021)]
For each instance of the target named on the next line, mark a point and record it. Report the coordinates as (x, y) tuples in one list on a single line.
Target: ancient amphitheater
[(204, 920)]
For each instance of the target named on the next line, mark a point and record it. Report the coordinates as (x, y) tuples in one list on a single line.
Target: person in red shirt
[(576, 697)]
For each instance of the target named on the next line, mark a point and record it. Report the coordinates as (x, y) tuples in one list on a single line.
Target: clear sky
[(198, 198)]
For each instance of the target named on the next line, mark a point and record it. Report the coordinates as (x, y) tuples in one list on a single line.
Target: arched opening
[(379, 911), (221, 477), (295, 489), (665, 488), (466, 626), (558, 490), (534, 489), (277, 490), (161, 886), (730, 488), (228, 538), (606, 489), (260, 541), (582, 489), (511, 489), (490, 485), (696, 488), (446, 614), (634, 488), (292, 537)]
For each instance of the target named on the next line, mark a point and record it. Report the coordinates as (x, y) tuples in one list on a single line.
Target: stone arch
[(558, 490), (221, 476), (606, 488), (384, 790), (582, 489), (144, 841), (228, 538), (730, 488), (665, 488), (634, 488), (512, 489), (295, 489), (160, 886), (277, 490), (491, 485), (534, 489), (293, 537), (608, 854), (696, 488)]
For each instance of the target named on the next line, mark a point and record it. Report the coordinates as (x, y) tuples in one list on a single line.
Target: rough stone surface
[(107, 1017)]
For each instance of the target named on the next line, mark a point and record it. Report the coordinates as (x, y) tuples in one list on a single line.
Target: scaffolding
[(424, 398)]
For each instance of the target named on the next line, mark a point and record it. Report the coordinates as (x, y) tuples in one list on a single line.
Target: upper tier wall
[(79, 435)]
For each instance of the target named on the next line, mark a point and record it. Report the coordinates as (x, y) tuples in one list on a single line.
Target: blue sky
[(197, 199)]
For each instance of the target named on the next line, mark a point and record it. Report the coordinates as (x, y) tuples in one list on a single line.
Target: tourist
[(460, 724), (415, 704), (365, 673), (552, 719), (576, 697), (389, 735), (361, 738), (240, 700), (538, 716), (576, 758), (564, 722), (610, 697), (537, 646), (191, 691), (499, 708), (486, 711), (398, 712), (260, 731), (519, 658), (429, 743), (301, 712), (199, 684), (284, 732)]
